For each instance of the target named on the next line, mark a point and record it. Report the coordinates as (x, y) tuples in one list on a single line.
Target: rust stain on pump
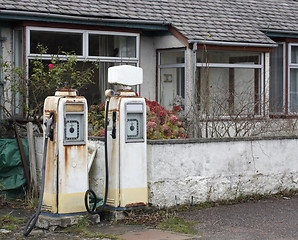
[(137, 204), (66, 175)]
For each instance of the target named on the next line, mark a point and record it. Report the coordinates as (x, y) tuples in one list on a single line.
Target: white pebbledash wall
[(210, 170), (220, 169)]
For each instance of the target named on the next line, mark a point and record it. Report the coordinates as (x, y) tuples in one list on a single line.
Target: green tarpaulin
[(12, 177)]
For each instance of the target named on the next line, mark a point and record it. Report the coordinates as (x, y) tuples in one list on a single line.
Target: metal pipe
[(1, 83), (32, 221), (96, 19), (234, 44)]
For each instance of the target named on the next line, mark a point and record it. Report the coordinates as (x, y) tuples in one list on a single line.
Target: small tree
[(43, 79)]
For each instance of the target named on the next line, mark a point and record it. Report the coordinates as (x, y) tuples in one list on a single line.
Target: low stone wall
[(180, 171), (202, 170)]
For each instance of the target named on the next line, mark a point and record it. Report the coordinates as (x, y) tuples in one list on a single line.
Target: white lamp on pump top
[(125, 75)]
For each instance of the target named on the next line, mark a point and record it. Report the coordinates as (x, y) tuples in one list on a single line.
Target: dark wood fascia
[(75, 26), (179, 36)]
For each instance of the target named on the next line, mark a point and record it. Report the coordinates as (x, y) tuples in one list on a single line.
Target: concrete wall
[(216, 170), (209, 169)]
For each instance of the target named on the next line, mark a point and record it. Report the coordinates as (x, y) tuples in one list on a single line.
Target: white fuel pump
[(125, 143), (126, 139), (65, 174)]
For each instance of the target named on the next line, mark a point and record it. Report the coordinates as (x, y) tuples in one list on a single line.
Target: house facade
[(218, 60)]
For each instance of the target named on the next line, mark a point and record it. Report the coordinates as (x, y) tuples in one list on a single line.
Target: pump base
[(53, 221), (118, 213)]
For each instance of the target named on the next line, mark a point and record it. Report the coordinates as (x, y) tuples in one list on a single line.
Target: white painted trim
[(85, 42), (229, 65), (164, 66), (290, 66)]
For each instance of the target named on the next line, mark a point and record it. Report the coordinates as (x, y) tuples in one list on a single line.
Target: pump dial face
[(72, 130), (132, 128)]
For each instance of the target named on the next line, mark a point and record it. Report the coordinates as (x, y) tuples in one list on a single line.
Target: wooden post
[(22, 153), (32, 159)]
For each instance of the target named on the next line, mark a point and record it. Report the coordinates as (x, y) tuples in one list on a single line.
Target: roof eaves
[(236, 44), (26, 15), (281, 33)]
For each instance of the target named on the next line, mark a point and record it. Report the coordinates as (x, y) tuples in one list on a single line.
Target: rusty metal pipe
[(92, 211)]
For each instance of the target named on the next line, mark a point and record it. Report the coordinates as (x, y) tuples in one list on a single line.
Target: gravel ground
[(275, 219)]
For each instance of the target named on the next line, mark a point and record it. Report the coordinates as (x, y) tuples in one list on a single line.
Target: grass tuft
[(178, 224), (81, 228), (9, 222)]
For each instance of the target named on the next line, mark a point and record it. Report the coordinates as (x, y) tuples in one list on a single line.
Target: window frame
[(284, 95), (242, 66), (85, 43), (289, 67), (85, 47), (165, 66)]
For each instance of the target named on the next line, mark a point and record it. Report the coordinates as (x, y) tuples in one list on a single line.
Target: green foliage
[(96, 118), (81, 228), (44, 78), (162, 123), (9, 222), (177, 224)]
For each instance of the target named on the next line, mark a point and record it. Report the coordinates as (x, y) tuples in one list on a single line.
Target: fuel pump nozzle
[(49, 133)]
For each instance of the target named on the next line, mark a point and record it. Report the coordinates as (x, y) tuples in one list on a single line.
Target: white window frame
[(161, 66), (290, 66), (85, 47), (239, 65)]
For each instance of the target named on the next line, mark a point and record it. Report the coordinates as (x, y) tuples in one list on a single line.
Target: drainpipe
[(194, 68)]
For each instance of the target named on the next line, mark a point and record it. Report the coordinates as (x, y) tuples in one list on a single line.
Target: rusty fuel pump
[(125, 143), (64, 171)]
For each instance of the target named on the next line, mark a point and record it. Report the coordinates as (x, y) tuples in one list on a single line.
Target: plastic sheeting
[(12, 177)]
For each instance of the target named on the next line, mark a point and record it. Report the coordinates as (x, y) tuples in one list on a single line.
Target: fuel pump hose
[(34, 218), (90, 191)]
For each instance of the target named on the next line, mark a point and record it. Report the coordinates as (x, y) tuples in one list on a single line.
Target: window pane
[(56, 42), (294, 90), (95, 93), (276, 91), (171, 57), (228, 91), (18, 60), (294, 54), (112, 46), (228, 57), (171, 87)]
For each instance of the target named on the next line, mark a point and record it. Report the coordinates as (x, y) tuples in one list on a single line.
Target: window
[(171, 78), (107, 48), (277, 80), (56, 42), (293, 77), (284, 79), (18, 99), (229, 83)]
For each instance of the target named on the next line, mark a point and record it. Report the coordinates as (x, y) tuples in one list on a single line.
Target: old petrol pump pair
[(64, 187)]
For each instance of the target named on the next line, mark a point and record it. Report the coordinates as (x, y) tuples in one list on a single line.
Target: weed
[(178, 224), (9, 222), (81, 228)]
